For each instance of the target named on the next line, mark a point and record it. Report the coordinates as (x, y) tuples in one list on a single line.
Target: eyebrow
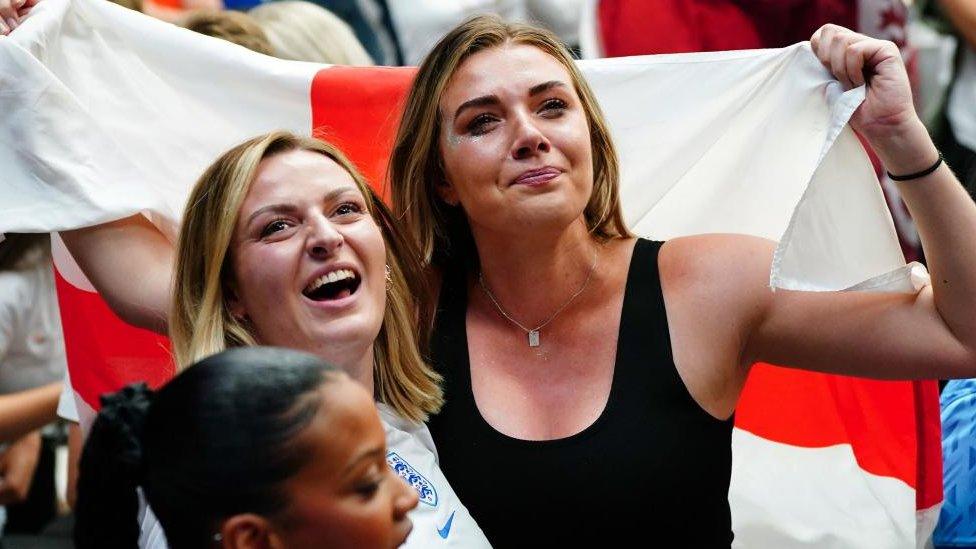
[(485, 100), (290, 208), (276, 208), (545, 86), (477, 102)]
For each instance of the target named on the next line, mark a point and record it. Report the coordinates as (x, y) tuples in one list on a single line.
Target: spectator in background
[(232, 26), (957, 521), (370, 20), (419, 25), (31, 365), (307, 32), (958, 141), (31, 347)]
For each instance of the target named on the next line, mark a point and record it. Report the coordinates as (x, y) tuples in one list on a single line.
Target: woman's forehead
[(298, 174), (511, 68)]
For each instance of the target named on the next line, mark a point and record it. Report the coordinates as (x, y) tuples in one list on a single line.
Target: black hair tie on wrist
[(916, 175)]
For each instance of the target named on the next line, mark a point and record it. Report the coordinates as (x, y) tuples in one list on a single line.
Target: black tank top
[(652, 470)]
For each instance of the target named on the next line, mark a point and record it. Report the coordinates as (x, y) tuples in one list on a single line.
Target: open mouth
[(332, 286)]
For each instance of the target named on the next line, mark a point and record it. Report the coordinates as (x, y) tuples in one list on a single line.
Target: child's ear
[(248, 531)]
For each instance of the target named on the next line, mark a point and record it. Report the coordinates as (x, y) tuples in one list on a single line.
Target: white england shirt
[(440, 520)]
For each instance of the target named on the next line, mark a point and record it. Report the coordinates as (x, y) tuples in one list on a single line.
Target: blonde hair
[(232, 26), (416, 167), (201, 323), (304, 31)]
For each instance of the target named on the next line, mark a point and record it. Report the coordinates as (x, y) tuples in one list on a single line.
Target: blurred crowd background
[(937, 40)]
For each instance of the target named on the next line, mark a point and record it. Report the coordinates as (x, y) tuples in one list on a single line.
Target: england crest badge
[(428, 495)]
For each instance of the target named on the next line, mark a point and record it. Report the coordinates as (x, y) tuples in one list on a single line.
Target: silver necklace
[(533, 333)]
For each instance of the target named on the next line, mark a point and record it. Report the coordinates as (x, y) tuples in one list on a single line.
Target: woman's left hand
[(855, 59)]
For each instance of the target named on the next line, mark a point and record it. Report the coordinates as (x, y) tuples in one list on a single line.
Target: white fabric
[(962, 101), (31, 345), (771, 499), (67, 408), (96, 82), (750, 142)]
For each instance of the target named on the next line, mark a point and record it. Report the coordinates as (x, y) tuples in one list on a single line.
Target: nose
[(529, 139), (405, 500), (323, 239)]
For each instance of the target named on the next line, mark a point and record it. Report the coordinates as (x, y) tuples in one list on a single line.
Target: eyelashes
[(553, 106), (344, 211), (484, 122), (479, 125), (276, 225)]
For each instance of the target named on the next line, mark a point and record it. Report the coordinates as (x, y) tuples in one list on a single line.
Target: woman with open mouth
[(283, 243)]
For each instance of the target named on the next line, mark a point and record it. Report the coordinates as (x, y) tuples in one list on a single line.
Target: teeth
[(334, 276)]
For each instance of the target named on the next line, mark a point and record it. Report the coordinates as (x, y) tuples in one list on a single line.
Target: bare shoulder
[(716, 263), (716, 291)]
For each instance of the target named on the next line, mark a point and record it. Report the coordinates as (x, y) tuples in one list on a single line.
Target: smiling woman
[(283, 243)]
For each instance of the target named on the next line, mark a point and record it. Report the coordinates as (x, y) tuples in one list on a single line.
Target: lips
[(538, 176)]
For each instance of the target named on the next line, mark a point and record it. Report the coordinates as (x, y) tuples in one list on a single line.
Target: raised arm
[(724, 317), (130, 263), (931, 334)]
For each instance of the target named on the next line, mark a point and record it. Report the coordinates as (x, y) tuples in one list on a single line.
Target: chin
[(347, 333)]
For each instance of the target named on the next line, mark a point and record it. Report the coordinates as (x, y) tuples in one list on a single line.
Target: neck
[(532, 275), (357, 363)]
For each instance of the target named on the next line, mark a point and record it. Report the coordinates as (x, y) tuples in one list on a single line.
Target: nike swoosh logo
[(446, 530)]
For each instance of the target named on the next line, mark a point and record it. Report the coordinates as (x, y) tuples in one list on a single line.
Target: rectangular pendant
[(533, 338)]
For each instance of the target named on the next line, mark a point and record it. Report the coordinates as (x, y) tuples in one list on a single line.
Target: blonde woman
[(594, 373), (283, 243), (304, 31)]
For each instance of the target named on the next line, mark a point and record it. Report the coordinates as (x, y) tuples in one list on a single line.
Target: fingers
[(8, 15), (838, 59), (854, 63), (846, 53)]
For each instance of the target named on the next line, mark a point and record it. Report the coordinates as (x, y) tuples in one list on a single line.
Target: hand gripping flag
[(107, 113)]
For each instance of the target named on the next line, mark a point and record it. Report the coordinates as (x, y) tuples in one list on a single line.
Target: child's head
[(253, 447)]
